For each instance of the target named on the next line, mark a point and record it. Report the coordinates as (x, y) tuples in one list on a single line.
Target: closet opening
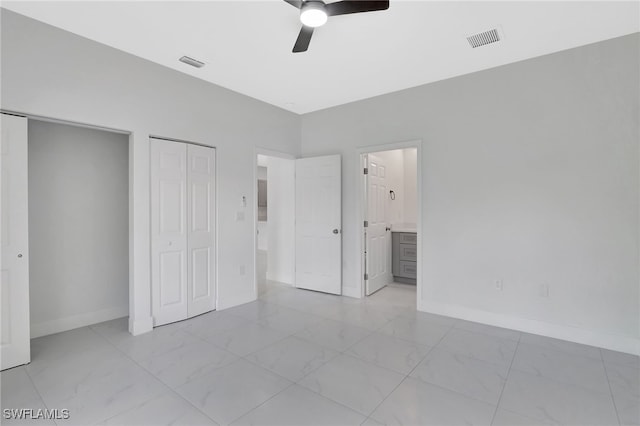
[(78, 221)]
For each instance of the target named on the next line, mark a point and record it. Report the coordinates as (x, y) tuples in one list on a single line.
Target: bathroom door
[(378, 235)]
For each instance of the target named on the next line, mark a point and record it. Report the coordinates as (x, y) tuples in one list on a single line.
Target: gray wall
[(52, 73), (78, 226), (529, 175)]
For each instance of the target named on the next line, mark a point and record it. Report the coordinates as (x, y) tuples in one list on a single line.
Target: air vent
[(193, 62), (484, 38)]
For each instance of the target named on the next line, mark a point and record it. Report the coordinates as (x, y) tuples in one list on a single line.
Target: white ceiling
[(247, 44)]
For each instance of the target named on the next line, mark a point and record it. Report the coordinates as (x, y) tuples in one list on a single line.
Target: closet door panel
[(169, 260), (201, 229)]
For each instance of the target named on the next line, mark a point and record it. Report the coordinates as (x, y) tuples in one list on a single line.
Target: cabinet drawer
[(408, 238), (408, 252), (407, 269)]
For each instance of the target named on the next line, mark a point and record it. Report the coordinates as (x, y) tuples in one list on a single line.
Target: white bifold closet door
[(182, 230)]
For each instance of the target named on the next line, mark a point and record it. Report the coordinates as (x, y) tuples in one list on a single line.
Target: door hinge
[(366, 223), (366, 277), (366, 171)]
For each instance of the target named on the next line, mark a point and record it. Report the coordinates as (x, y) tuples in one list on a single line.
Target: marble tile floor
[(297, 357)]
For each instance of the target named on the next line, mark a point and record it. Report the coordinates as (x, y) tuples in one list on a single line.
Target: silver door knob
[(19, 255), (335, 231)]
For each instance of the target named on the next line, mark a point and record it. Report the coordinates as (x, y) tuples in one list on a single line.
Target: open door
[(318, 224), (14, 297), (377, 229)]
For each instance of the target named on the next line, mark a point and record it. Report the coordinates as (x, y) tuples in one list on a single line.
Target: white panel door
[(168, 231), (14, 303), (201, 221), (378, 241), (318, 224)]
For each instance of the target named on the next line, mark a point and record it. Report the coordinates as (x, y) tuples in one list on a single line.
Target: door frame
[(269, 153), (361, 207)]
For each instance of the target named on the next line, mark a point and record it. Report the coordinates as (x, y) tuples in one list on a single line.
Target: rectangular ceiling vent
[(193, 62), (484, 38)]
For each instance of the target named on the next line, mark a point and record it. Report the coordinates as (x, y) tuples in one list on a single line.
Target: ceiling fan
[(314, 13)]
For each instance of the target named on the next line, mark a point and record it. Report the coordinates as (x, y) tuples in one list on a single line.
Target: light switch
[(239, 216)]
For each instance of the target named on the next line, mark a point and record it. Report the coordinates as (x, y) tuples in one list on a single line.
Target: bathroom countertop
[(403, 228)]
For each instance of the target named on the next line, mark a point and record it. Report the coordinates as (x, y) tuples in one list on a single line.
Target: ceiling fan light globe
[(313, 15)]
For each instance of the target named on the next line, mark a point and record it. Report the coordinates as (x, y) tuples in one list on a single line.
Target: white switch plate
[(239, 216), (544, 290)]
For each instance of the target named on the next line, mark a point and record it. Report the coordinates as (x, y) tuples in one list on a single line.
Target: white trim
[(67, 122), (139, 234), (76, 321), (268, 153), (351, 292), (359, 292), (572, 334), (141, 326)]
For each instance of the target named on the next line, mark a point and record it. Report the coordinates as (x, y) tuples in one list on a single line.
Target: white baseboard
[(573, 334), (140, 326), (76, 321), (230, 303)]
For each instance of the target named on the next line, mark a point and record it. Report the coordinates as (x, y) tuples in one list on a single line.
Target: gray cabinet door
[(404, 255)]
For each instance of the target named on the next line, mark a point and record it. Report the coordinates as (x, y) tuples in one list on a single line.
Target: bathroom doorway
[(389, 235)]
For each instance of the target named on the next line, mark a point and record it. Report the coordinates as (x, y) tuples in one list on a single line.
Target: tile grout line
[(37, 390), (506, 379), (244, 357), (343, 352), (255, 321), (261, 404), (154, 376), (407, 376), (606, 373), (296, 383)]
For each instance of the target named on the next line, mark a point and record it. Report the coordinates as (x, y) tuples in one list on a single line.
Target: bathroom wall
[(401, 178)]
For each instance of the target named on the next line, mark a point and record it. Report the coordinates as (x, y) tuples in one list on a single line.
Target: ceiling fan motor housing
[(313, 13)]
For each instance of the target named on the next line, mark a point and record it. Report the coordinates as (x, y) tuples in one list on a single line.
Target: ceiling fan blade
[(302, 43), (295, 3), (355, 6)]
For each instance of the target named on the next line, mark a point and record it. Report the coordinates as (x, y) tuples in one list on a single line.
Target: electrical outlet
[(499, 285), (544, 290), (243, 270)]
